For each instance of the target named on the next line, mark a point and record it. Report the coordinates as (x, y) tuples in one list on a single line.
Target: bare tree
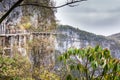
[(20, 3)]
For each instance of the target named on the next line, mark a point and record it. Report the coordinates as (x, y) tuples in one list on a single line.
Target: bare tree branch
[(0, 0), (35, 4), (68, 3), (9, 11)]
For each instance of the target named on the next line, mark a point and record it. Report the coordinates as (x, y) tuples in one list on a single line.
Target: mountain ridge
[(115, 36), (78, 38)]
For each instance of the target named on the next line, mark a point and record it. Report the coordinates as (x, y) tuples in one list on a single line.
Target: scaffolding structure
[(11, 38)]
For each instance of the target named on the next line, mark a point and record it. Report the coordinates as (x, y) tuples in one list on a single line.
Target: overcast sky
[(101, 17)]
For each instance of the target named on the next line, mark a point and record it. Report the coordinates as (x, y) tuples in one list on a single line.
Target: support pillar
[(11, 46)]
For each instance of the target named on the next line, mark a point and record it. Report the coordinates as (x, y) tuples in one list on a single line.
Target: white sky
[(101, 17)]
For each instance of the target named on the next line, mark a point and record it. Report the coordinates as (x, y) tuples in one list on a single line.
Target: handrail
[(29, 33)]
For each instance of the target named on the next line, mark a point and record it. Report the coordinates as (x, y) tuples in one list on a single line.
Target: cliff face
[(73, 37), (23, 20)]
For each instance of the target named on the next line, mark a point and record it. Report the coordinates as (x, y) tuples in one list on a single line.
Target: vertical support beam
[(19, 40), (25, 51), (31, 37), (24, 40), (3, 44), (11, 45)]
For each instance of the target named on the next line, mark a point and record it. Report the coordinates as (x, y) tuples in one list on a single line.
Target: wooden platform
[(29, 33), (14, 34)]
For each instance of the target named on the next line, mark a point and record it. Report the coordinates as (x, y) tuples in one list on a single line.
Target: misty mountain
[(74, 37), (115, 36)]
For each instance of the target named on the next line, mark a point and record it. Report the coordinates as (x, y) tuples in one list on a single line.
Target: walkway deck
[(28, 33)]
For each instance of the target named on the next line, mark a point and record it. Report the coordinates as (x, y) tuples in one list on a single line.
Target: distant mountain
[(115, 36), (73, 37)]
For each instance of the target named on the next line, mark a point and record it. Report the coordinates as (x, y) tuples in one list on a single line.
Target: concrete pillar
[(20, 39), (24, 40), (31, 37), (11, 45)]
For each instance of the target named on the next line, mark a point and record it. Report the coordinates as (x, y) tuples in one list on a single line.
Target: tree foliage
[(14, 68), (20, 68), (91, 64)]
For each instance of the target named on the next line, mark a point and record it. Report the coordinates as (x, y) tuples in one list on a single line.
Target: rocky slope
[(73, 37), (115, 36)]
